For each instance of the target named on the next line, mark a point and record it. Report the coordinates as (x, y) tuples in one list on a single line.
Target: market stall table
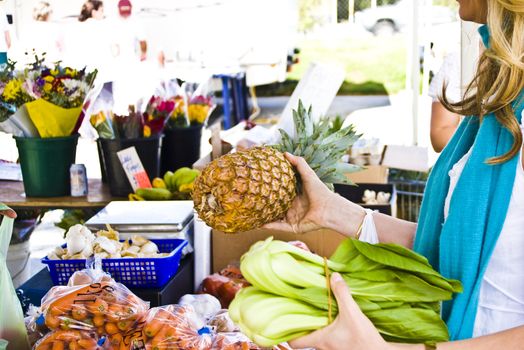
[(12, 194)]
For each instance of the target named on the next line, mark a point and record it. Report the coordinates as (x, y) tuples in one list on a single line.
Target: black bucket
[(148, 150), (180, 148)]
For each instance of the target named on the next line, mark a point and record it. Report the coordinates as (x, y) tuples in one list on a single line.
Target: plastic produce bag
[(12, 326), (69, 339), (222, 323), (35, 325), (233, 341), (165, 327), (205, 305), (239, 341), (93, 302)]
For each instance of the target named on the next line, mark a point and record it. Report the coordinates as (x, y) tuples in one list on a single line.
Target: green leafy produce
[(397, 289)]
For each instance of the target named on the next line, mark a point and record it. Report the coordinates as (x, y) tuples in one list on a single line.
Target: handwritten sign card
[(134, 169)]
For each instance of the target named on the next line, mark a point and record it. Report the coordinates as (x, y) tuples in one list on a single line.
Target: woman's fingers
[(308, 341), (302, 166), (10, 213), (346, 305), (279, 226)]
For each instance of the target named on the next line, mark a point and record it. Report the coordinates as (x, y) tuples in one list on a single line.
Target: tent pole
[(415, 69)]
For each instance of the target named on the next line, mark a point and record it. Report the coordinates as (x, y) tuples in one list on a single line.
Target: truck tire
[(384, 28)]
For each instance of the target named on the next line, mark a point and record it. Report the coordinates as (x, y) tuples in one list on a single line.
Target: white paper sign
[(10, 171), (317, 88), (413, 158), (136, 174)]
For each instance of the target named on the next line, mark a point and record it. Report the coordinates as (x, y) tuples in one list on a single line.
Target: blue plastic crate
[(132, 272)]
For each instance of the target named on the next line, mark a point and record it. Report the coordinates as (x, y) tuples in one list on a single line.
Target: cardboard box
[(228, 248), (376, 174)]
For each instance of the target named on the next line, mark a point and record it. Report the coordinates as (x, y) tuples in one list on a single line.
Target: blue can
[(78, 180)]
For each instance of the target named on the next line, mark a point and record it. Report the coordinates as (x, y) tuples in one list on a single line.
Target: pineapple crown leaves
[(321, 144)]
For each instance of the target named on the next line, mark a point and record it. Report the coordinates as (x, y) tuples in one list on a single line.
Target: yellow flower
[(71, 72), (147, 131), (12, 89), (48, 87), (97, 119), (198, 113), (54, 72), (49, 78)]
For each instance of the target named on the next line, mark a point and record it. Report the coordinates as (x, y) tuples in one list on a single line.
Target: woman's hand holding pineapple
[(317, 207)]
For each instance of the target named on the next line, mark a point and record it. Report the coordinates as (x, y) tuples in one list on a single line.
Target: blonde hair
[(500, 73)]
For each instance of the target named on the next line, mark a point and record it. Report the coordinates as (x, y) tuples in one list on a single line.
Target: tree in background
[(448, 3), (312, 13)]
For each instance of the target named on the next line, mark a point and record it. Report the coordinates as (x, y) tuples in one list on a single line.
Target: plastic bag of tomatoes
[(165, 328)]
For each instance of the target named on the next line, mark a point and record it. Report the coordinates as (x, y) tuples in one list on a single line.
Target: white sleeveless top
[(501, 298)]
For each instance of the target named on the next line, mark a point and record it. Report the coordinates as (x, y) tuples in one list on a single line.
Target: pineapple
[(245, 190)]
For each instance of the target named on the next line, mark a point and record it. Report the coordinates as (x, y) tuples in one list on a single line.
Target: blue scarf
[(461, 247)]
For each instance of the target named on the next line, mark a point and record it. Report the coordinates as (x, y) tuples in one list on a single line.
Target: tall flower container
[(181, 147), (141, 130), (45, 164), (148, 150), (183, 132)]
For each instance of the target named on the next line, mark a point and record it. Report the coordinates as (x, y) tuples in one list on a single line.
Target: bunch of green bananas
[(177, 185)]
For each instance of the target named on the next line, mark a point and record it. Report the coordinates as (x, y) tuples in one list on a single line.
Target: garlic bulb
[(139, 240), (134, 249), (205, 305), (383, 198), (107, 244), (149, 248), (78, 238)]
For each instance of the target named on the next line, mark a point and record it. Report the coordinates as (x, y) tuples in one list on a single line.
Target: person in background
[(89, 44), (92, 9), (470, 225), (42, 36), (129, 34), (134, 74), (443, 122), (42, 11)]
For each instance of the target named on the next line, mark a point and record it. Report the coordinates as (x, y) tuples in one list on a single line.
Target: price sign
[(136, 174)]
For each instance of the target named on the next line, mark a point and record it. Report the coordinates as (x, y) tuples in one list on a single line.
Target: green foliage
[(448, 3), (322, 148), (71, 218), (310, 14), (373, 65), (335, 124), (287, 87)]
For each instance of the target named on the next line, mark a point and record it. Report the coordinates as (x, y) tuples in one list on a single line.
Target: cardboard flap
[(228, 248)]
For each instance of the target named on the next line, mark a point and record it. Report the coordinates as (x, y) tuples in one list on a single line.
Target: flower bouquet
[(183, 132), (191, 108), (141, 128), (135, 124), (42, 107), (44, 101)]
